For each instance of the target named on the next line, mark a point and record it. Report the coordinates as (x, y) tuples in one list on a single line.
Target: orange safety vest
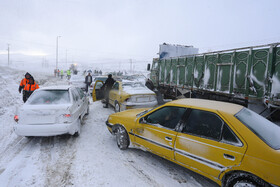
[(31, 87), (23, 82)]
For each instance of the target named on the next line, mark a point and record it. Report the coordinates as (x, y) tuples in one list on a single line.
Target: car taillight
[(16, 118), (67, 115)]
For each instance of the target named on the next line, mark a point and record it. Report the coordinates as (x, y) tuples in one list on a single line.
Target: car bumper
[(109, 126), (129, 105), (45, 129)]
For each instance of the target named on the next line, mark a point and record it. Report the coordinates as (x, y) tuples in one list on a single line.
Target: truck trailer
[(249, 76)]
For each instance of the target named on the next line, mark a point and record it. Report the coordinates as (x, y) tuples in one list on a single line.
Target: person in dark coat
[(107, 87), (88, 81)]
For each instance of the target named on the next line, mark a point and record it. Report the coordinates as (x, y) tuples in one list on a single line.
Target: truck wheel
[(244, 180), (122, 138), (117, 107)]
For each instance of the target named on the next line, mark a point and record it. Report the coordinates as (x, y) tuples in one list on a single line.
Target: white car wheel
[(87, 110), (77, 133)]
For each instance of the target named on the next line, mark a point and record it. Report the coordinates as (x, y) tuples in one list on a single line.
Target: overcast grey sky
[(97, 30)]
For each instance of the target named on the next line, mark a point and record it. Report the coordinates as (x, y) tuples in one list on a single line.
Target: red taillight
[(67, 115), (16, 118)]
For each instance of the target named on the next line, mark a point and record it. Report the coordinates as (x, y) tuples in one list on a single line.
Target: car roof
[(57, 87), (102, 76), (209, 104)]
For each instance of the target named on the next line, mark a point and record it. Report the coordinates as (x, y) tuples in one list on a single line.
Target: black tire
[(79, 128), (87, 110), (241, 179), (117, 107), (122, 138)]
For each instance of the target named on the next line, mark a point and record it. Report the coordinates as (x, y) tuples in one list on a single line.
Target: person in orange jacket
[(22, 84), (29, 88)]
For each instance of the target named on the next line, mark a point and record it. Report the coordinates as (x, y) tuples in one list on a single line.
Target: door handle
[(230, 157), (168, 138)]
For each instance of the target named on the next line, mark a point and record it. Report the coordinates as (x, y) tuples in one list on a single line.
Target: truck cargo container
[(249, 76)]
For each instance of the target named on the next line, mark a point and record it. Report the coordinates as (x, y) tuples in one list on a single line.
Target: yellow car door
[(207, 144), (156, 131), (98, 91)]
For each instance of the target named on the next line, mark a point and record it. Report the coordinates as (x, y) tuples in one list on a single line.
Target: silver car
[(52, 111)]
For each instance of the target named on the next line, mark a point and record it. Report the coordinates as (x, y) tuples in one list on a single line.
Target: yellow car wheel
[(244, 179), (117, 107), (122, 138)]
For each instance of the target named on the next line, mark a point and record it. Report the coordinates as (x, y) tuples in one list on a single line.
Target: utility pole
[(8, 54), (57, 51)]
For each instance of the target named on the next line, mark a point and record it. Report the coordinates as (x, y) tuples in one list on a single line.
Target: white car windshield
[(46, 97), (264, 129)]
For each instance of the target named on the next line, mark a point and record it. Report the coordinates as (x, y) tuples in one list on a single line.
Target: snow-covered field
[(92, 159)]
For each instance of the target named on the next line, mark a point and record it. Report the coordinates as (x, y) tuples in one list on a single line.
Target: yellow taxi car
[(225, 142), (126, 94)]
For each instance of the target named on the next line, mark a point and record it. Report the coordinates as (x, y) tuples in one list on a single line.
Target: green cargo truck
[(249, 76)]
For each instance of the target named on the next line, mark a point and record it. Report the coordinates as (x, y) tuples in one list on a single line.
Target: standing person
[(61, 74), (68, 72), (55, 71), (88, 81), (58, 72), (22, 84), (108, 86), (29, 88)]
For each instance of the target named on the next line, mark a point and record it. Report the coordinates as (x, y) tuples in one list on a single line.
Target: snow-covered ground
[(92, 159)]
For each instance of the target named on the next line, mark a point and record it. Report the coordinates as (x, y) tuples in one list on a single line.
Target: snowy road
[(92, 159)]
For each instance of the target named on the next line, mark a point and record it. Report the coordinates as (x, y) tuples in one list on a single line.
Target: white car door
[(83, 101), (76, 103)]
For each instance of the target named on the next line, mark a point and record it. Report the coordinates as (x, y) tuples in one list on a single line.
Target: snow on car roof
[(209, 104), (132, 88), (58, 87)]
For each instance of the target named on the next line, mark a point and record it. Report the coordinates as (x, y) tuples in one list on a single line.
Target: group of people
[(27, 86), (60, 73)]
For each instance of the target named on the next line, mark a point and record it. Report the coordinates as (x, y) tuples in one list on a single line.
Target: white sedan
[(78, 81), (52, 111)]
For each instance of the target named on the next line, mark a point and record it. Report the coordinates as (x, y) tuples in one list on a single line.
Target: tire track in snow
[(21, 165), (13, 149), (58, 153)]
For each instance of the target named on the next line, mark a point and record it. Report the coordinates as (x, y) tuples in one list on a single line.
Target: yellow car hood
[(129, 113)]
